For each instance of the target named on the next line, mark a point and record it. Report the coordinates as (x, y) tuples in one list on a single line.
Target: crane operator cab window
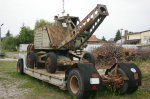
[(68, 21), (64, 25)]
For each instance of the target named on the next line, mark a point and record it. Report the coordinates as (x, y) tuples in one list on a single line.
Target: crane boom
[(85, 28)]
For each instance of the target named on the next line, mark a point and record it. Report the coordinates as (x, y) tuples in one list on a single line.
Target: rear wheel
[(51, 62), (76, 87), (75, 84), (20, 66), (134, 76)]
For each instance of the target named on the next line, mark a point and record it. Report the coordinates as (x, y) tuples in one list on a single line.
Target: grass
[(40, 90)]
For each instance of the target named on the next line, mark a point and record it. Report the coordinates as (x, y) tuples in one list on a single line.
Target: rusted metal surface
[(115, 81), (68, 32), (89, 24), (30, 47), (56, 34)]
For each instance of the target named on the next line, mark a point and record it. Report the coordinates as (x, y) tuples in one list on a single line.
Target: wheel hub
[(74, 84)]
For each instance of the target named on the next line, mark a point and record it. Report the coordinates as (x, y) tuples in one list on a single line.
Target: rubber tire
[(124, 88), (89, 57), (132, 90), (51, 68), (20, 66), (132, 83), (32, 57), (81, 93)]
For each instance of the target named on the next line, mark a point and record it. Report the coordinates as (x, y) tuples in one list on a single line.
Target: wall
[(23, 47), (134, 36), (145, 37)]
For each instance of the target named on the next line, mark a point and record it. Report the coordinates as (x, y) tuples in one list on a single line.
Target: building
[(142, 38), (93, 43), (93, 39)]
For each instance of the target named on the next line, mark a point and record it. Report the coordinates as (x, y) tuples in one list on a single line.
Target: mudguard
[(87, 70), (130, 69)]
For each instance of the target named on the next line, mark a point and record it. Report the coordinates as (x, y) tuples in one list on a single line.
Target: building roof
[(111, 39), (134, 41), (93, 38), (132, 33)]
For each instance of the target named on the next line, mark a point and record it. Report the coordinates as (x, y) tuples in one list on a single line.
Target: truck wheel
[(51, 62), (132, 90), (20, 66), (134, 75), (89, 57), (75, 85), (124, 87), (31, 59)]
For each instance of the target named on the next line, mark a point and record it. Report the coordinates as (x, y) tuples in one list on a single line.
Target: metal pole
[(63, 4), (121, 36), (0, 39)]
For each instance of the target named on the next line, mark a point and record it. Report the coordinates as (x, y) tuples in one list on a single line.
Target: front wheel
[(31, 60), (20, 66)]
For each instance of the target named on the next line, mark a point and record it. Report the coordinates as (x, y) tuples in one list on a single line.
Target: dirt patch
[(9, 87), (9, 90)]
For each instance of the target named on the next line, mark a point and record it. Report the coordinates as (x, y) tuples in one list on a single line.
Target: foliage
[(41, 23), (25, 86), (31, 88), (118, 36), (103, 39), (107, 54), (26, 36), (8, 34), (9, 42), (142, 54)]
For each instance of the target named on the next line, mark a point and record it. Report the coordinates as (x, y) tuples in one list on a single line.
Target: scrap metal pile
[(109, 54)]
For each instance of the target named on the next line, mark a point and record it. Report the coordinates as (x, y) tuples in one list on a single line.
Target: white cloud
[(127, 14)]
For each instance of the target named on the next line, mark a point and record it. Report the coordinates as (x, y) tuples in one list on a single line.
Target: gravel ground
[(9, 90), (9, 84), (8, 59)]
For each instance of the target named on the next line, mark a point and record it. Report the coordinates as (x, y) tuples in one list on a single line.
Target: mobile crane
[(57, 57)]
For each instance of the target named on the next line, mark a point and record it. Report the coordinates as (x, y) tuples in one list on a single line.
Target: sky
[(131, 15)]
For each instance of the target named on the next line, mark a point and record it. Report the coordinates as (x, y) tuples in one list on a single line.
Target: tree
[(103, 39), (8, 34), (41, 23), (25, 36), (118, 36), (9, 42)]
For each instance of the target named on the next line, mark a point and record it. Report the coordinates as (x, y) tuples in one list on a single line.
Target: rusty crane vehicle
[(57, 57)]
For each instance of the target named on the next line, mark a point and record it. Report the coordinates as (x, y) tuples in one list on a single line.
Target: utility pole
[(0, 39), (121, 36), (63, 7)]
